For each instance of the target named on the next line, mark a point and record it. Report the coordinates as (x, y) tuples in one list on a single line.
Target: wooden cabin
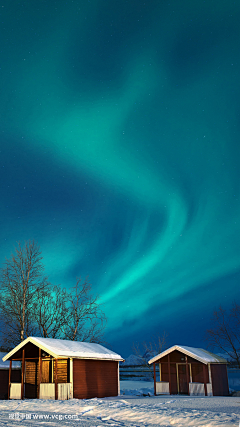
[(62, 369), (192, 371)]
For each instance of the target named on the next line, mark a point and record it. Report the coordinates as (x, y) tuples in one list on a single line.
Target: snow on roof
[(5, 365), (199, 354), (65, 348)]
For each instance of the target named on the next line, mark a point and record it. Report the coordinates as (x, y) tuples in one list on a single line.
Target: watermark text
[(32, 416)]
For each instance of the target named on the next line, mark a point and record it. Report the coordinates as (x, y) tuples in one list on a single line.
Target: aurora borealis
[(120, 155)]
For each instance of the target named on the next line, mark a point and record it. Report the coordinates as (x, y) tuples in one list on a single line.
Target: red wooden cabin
[(62, 369), (192, 371)]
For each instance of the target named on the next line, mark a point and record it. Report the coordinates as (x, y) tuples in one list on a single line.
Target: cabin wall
[(219, 380), (179, 375), (62, 371), (31, 350), (177, 357), (48, 371), (165, 376), (197, 370), (32, 374), (4, 375), (94, 378), (182, 372)]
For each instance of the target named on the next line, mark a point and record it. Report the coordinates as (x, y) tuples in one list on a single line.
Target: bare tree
[(31, 305), (225, 333), (148, 349), (21, 279), (85, 318), (50, 311), (73, 314)]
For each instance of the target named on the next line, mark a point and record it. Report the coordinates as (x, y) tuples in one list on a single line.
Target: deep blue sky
[(120, 154)]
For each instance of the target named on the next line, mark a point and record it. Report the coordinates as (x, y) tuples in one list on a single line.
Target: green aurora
[(120, 154)]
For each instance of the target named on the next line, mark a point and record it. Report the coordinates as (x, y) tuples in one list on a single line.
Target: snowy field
[(131, 409)]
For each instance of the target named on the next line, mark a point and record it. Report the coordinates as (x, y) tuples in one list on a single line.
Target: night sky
[(120, 155)]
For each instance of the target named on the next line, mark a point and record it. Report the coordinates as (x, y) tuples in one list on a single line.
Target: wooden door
[(46, 374), (182, 378), (31, 379)]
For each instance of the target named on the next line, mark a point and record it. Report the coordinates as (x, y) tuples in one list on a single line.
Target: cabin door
[(46, 376), (31, 379), (182, 378)]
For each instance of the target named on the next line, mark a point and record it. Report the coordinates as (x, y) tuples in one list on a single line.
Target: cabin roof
[(199, 354), (65, 348)]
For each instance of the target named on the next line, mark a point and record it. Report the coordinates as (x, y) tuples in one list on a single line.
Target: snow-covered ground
[(126, 410)]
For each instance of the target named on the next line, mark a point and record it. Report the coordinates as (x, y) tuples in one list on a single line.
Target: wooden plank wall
[(62, 371), (94, 378), (219, 380), (165, 376), (197, 373)]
